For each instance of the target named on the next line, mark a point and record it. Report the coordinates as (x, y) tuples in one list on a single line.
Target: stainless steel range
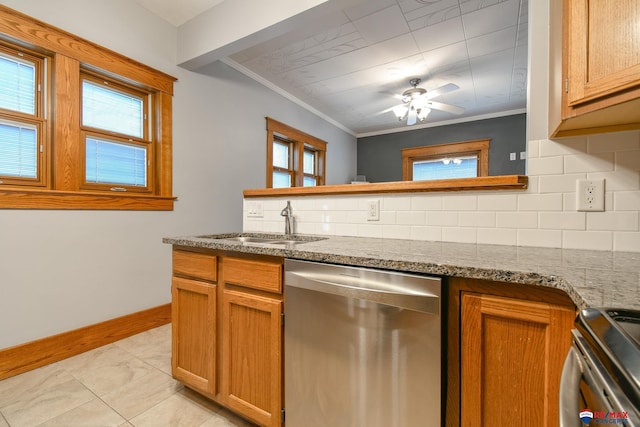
[(601, 377)]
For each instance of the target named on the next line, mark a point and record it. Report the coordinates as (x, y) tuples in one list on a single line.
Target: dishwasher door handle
[(349, 286)]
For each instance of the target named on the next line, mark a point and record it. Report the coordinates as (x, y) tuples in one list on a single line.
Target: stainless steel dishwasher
[(362, 347)]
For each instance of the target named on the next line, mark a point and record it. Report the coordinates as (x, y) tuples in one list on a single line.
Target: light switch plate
[(254, 210)]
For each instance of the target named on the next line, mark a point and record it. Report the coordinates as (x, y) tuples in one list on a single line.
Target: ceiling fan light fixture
[(423, 113), (400, 111), (416, 102)]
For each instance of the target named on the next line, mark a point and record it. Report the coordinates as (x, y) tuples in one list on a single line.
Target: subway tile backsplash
[(543, 215)]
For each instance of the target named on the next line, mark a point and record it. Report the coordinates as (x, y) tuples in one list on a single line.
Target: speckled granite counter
[(590, 278)]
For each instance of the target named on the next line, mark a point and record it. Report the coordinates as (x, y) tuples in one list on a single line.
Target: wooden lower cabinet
[(509, 355), (227, 330), (193, 347), (251, 356)]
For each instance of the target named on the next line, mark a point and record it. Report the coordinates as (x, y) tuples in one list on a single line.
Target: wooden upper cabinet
[(600, 87), (603, 48)]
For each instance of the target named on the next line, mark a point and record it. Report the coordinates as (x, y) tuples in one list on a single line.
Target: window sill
[(60, 200), (505, 182)]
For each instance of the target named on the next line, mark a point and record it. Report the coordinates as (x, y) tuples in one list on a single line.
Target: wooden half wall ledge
[(484, 183), (34, 354)]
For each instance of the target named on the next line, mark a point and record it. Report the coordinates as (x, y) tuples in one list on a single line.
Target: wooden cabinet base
[(227, 330), (505, 352), (512, 357)]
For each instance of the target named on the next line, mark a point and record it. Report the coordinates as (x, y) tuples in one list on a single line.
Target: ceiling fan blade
[(387, 110), (449, 87), (411, 119), (454, 109)]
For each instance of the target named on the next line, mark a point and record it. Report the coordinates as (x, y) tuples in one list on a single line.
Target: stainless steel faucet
[(287, 213)]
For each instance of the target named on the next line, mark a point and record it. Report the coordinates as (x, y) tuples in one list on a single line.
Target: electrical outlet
[(254, 210), (373, 210), (590, 195), (512, 156)]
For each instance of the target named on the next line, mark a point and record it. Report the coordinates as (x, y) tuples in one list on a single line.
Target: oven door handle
[(570, 389)]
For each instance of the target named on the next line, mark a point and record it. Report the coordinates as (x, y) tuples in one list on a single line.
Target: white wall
[(543, 215), (60, 270)]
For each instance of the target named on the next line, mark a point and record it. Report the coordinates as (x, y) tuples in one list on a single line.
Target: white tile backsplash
[(546, 166), (596, 240), (626, 201), (589, 163), (562, 220), (626, 241), (616, 221), (543, 215), (497, 236)]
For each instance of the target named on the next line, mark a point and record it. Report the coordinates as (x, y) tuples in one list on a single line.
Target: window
[(81, 127), (115, 134), (294, 158), (446, 161), (22, 118)]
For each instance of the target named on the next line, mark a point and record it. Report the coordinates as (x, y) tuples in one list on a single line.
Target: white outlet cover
[(590, 195), (373, 210)]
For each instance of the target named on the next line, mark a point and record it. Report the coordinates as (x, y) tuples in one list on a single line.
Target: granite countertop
[(590, 278)]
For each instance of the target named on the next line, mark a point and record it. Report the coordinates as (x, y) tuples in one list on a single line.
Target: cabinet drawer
[(263, 275), (194, 264)]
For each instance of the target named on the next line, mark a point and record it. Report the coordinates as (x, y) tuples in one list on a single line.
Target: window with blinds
[(21, 117), (109, 143), (115, 132)]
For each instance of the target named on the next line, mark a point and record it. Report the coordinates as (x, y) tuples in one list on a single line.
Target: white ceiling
[(350, 65)]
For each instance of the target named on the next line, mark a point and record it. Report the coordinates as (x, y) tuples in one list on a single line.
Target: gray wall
[(380, 158), (61, 270)]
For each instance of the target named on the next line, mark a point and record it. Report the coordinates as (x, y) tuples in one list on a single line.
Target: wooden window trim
[(299, 141), (69, 56), (479, 147)]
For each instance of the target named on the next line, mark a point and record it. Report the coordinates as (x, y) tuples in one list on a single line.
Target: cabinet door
[(193, 311), (252, 356), (602, 42), (511, 359)]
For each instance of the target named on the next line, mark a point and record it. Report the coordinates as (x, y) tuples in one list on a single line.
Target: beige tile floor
[(126, 383)]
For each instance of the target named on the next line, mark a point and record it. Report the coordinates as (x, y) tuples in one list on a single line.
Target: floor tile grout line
[(148, 362)]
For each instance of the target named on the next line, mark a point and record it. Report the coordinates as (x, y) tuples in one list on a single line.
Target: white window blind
[(18, 150), (109, 162), (17, 85), (18, 140), (111, 110)]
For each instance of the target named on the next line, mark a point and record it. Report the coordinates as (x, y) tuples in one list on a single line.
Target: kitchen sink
[(278, 240), (266, 240)]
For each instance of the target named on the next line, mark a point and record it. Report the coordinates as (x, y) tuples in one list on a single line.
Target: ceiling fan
[(417, 104)]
